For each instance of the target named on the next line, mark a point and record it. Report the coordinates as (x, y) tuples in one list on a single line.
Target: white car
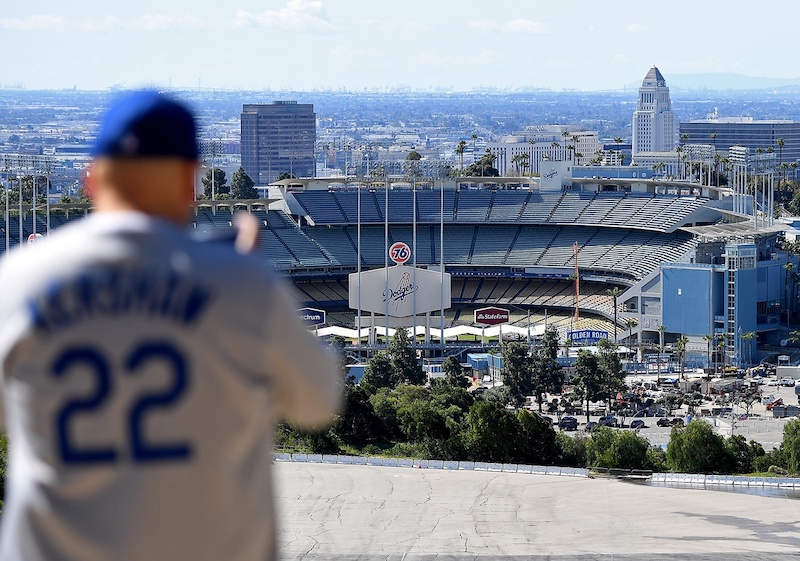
[(787, 382), (772, 383)]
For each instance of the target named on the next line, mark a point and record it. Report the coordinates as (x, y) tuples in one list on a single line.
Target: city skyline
[(344, 44)]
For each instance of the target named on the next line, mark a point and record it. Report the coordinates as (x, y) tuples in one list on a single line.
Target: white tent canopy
[(449, 333)]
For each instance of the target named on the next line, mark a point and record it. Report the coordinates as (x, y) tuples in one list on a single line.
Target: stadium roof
[(745, 229)]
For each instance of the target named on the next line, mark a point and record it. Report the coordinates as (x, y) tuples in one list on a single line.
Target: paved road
[(344, 513)]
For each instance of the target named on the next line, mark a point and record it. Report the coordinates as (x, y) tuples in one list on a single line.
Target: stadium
[(509, 243)]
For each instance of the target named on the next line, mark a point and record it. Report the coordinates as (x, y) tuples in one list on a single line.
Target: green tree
[(28, 183), (587, 378), (516, 372), (612, 377), (379, 373), (571, 450), (611, 448), (215, 178), (242, 187), (337, 344), (462, 145), (384, 404), (743, 454), (546, 375), (614, 293), (483, 167), (537, 440), (357, 422), (696, 449), (790, 446), (413, 156), (3, 466), (419, 418), (454, 373), (404, 360), (492, 433)]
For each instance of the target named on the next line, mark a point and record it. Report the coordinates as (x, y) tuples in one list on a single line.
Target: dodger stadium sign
[(399, 291)]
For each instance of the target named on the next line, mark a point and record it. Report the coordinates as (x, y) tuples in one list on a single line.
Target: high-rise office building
[(777, 136), (653, 121), (278, 138)]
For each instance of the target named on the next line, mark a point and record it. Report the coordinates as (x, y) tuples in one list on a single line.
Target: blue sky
[(380, 44)]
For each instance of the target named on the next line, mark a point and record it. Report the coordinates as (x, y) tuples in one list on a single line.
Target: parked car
[(772, 383), (664, 422), (589, 426), (638, 424), (545, 418), (677, 422), (568, 423), (787, 382), (608, 421)]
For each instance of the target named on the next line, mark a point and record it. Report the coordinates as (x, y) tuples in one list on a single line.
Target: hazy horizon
[(346, 45)]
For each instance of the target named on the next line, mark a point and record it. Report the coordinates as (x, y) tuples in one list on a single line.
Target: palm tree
[(462, 145), (748, 336), (721, 350), (661, 329), (630, 323), (684, 137), (680, 344), (524, 158), (789, 274), (515, 159), (708, 339), (780, 143), (614, 293)]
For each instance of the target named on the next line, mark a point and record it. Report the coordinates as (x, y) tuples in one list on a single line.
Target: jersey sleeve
[(305, 373)]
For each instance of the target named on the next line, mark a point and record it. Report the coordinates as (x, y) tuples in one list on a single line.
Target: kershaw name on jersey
[(114, 292)]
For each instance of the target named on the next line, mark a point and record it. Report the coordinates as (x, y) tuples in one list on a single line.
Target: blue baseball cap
[(146, 124)]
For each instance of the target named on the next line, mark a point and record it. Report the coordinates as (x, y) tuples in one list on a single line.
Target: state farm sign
[(491, 316)]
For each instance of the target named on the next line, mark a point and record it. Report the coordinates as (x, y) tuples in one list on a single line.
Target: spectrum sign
[(312, 315), (491, 316)]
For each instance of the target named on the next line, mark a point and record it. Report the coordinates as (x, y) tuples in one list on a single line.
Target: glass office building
[(278, 138), (747, 132)]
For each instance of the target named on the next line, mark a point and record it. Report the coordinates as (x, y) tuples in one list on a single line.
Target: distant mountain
[(725, 81)]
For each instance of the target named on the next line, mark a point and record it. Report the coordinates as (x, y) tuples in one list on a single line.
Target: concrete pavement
[(344, 513)]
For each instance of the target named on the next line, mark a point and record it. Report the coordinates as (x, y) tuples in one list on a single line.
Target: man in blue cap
[(142, 371)]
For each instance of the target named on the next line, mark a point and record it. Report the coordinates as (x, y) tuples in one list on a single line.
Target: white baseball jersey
[(141, 376)]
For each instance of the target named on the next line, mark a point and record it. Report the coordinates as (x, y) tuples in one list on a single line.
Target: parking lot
[(760, 425)]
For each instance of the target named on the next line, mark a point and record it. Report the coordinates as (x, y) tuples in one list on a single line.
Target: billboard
[(312, 316), (399, 291), (586, 336), (491, 316)]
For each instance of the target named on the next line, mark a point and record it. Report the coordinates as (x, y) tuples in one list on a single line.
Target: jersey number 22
[(138, 447)]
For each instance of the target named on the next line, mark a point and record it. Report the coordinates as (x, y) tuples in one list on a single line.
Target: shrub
[(571, 450), (616, 449), (696, 449)]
